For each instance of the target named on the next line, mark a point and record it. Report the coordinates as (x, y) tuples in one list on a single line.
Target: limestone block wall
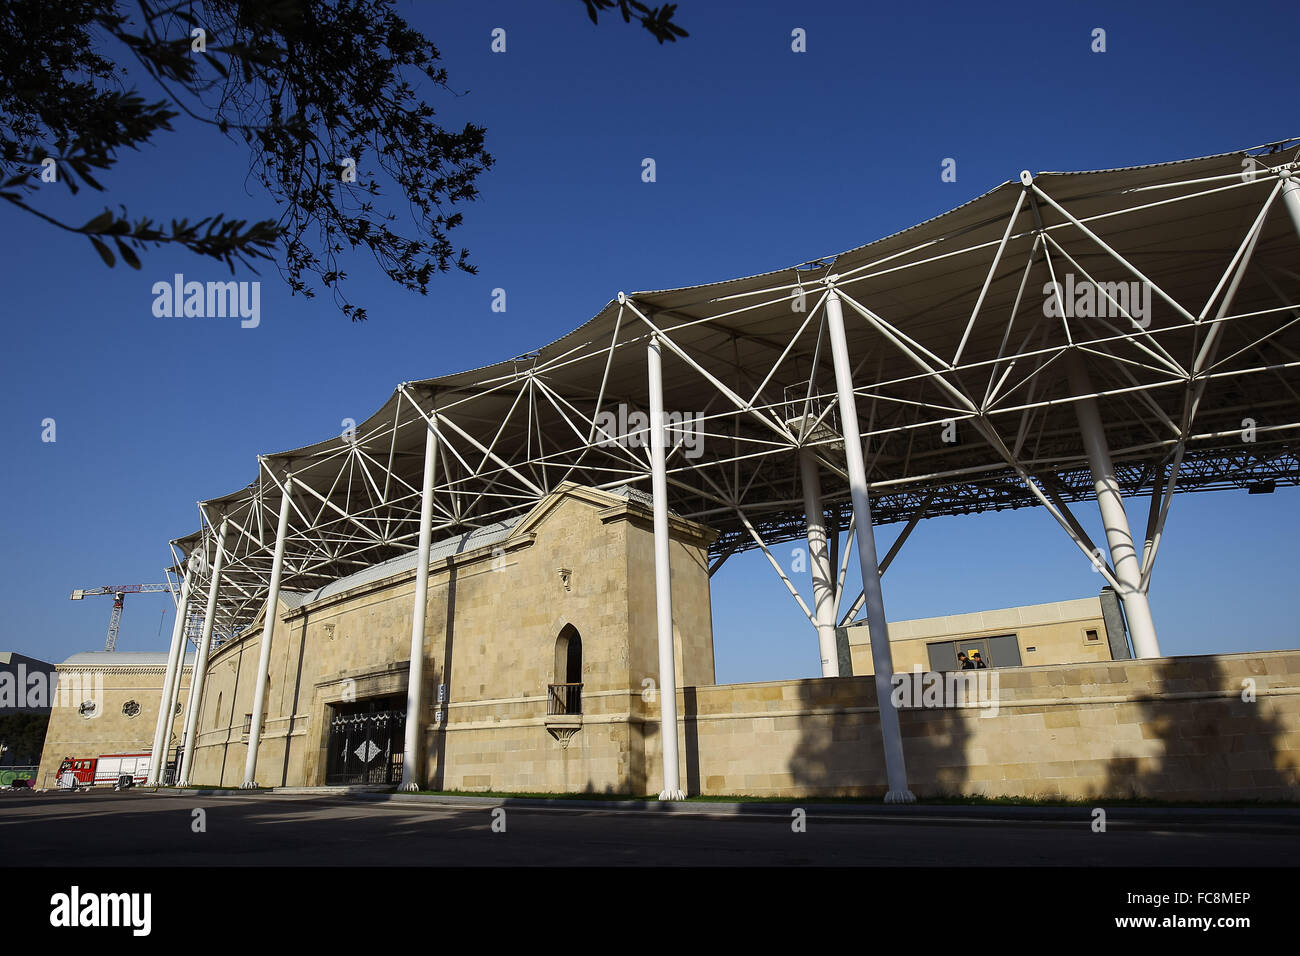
[(692, 607), (505, 746), (220, 742), (1171, 728), (499, 741), (492, 620)]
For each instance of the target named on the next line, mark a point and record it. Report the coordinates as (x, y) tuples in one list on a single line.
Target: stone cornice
[(679, 529), (127, 669)]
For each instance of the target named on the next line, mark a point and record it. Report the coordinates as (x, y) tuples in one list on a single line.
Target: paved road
[(141, 829)]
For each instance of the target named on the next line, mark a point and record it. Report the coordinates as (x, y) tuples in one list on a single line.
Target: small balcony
[(563, 711), (563, 700)]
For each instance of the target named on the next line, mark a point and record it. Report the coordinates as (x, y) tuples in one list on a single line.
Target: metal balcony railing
[(564, 699)]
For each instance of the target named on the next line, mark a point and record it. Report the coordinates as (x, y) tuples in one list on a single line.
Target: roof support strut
[(271, 615), (201, 658), (663, 581), (1123, 552), (415, 672), (819, 563), (175, 661), (895, 768)]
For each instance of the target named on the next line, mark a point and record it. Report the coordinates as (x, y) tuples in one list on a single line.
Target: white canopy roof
[(949, 322)]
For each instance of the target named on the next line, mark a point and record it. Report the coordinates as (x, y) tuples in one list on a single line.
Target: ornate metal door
[(366, 748)]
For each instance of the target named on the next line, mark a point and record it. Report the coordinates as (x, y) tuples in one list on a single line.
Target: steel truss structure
[(1063, 337)]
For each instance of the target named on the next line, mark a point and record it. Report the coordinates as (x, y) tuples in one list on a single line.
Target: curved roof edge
[(452, 380)]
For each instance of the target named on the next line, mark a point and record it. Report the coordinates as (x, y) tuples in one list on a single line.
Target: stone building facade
[(505, 605), (107, 703)]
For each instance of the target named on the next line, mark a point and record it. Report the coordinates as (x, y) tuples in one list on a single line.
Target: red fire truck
[(105, 769), (82, 770)]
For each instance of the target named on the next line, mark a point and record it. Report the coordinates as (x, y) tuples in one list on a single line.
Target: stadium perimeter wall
[(1180, 728)]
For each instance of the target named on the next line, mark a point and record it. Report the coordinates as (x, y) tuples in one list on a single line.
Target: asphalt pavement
[(200, 829)]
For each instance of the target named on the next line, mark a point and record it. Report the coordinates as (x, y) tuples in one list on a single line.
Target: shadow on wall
[(438, 778), (293, 710), (1226, 747), (230, 724), (838, 750), (842, 754), (624, 793), (691, 732), (1209, 748)]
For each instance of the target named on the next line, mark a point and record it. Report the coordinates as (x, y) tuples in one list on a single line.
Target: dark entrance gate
[(365, 742)]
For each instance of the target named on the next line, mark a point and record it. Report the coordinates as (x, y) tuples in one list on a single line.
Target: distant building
[(107, 703), (26, 684), (1062, 632), (26, 692)]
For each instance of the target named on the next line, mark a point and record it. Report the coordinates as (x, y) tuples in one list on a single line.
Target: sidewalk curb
[(1272, 818), (1077, 814)]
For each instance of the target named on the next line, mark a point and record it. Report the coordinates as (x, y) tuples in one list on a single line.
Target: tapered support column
[(819, 563), (201, 658), (1291, 196), (415, 674), (663, 581), (881, 656), (176, 694), (166, 709), (1123, 553), (268, 632)]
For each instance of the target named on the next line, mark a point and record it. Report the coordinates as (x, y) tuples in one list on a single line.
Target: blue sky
[(764, 158)]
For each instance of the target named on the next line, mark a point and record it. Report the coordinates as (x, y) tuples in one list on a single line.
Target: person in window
[(963, 662), (978, 661)]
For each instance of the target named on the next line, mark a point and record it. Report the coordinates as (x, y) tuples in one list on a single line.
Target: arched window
[(566, 691)]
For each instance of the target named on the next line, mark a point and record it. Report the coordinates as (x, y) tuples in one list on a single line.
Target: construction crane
[(119, 592)]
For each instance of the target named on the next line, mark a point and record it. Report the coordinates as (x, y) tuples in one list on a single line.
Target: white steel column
[(1291, 195), (882, 658), (1123, 553), (415, 673), (175, 656), (268, 632), (663, 582), (819, 564), (201, 659), (176, 694)]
